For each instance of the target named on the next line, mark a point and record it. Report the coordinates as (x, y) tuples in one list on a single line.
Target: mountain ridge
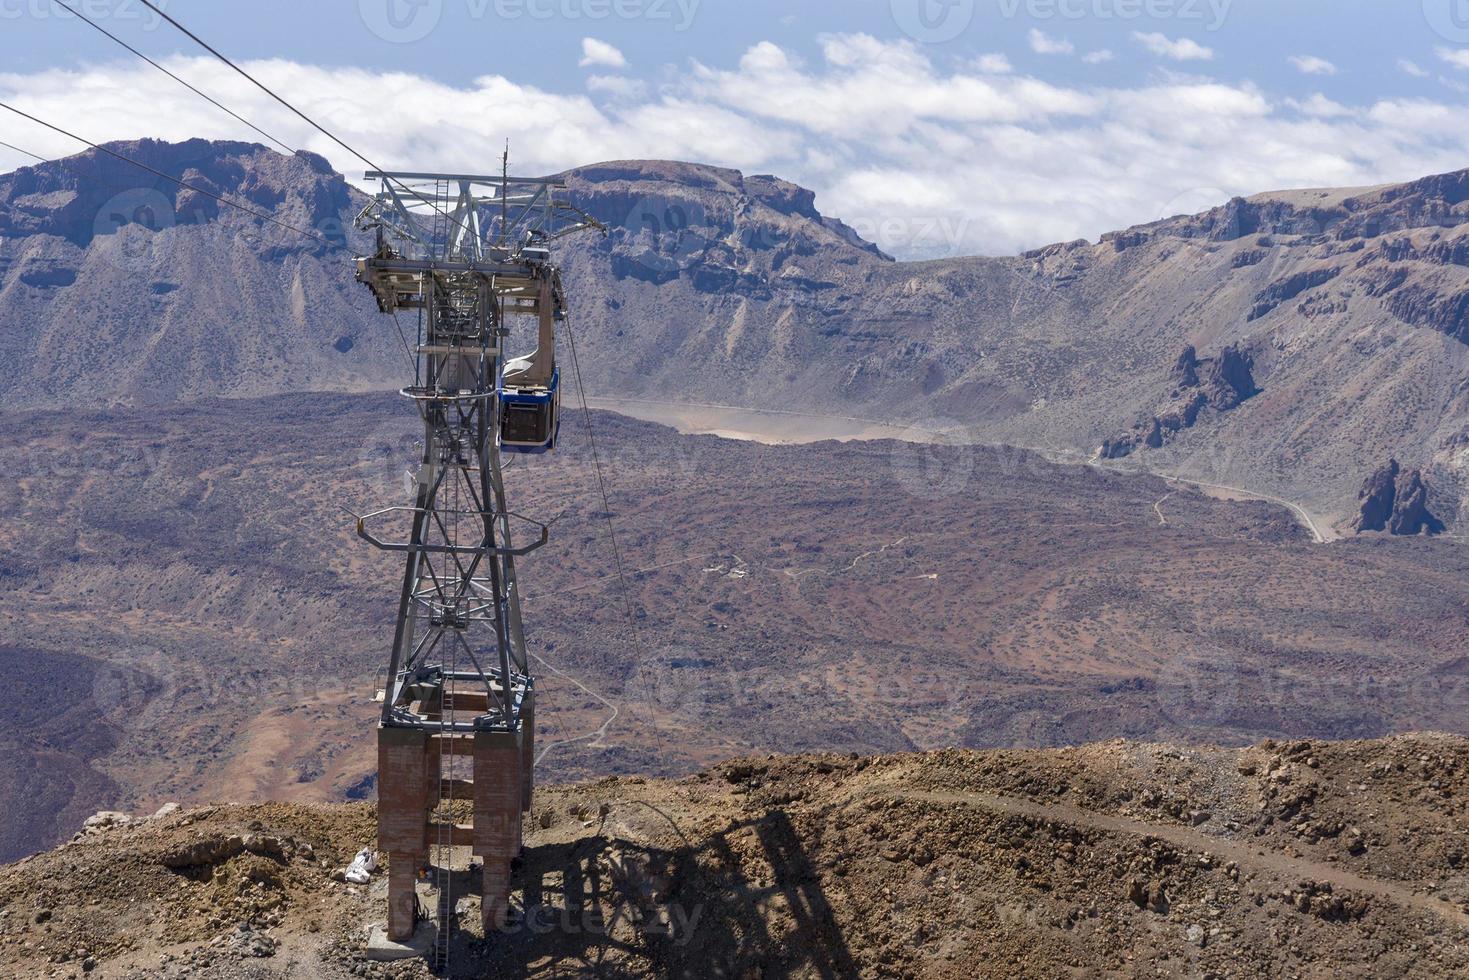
[(714, 286)]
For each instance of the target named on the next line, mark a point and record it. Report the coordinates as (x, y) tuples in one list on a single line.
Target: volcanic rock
[(1396, 501), (1220, 383)]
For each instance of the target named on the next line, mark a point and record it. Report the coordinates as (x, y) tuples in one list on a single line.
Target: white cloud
[(601, 54), (1184, 49), (1319, 105), (1098, 57), (1411, 68), (890, 141), (994, 64), (1458, 57), (1043, 43), (766, 56), (1309, 64), (870, 89), (619, 86)]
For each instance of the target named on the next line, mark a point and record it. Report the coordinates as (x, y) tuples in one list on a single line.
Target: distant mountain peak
[(660, 196), (74, 196), (1436, 201)]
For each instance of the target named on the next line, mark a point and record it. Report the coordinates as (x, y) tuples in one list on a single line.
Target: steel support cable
[(264, 88), (597, 466), (632, 619), (11, 146), (403, 339), (98, 27)]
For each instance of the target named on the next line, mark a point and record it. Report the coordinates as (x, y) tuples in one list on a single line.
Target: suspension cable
[(87, 20), (601, 480), (264, 88), (11, 146), (639, 649)]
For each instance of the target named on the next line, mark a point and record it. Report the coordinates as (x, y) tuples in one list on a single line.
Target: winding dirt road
[(1277, 863)]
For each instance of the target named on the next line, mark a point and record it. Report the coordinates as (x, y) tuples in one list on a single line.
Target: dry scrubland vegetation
[(798, 599)]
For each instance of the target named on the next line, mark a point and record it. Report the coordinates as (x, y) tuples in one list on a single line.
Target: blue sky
[(539, 41), (1019, 121)]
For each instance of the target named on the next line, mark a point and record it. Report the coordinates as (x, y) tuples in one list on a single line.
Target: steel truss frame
[(468, 251)]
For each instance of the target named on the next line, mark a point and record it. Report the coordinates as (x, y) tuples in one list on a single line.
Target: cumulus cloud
[(1098, 57), (994, 64), (1043, 43), (1309, 64), (1319, 105), (618, 86), (600, 54), (1411, 68), (1458, 57), (926, 158), (1184, 49)]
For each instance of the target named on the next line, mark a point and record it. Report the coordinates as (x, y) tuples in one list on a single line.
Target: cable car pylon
[(471, 254)]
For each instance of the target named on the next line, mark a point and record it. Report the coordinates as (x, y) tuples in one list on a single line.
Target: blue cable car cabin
[(530, 387), (530, 418)]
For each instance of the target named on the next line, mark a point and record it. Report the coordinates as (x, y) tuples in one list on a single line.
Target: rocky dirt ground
[(1297, 859)]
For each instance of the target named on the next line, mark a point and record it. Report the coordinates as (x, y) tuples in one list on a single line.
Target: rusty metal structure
[(468, 256)]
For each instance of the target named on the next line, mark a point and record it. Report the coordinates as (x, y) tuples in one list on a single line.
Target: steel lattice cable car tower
[(455, 738)]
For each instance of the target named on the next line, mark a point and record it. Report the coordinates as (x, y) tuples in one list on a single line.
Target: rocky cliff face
[(95, 195), (120, 287), (1395, 500), (1219, 383), (1438, 201), (715, 286)]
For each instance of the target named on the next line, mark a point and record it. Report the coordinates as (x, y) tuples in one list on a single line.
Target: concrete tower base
[(409, 787)]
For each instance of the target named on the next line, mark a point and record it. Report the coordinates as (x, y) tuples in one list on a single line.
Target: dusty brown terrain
[(1301, 859), (191, 618)]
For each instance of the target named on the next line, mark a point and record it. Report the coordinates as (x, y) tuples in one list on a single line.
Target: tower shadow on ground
[(605, 906)]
